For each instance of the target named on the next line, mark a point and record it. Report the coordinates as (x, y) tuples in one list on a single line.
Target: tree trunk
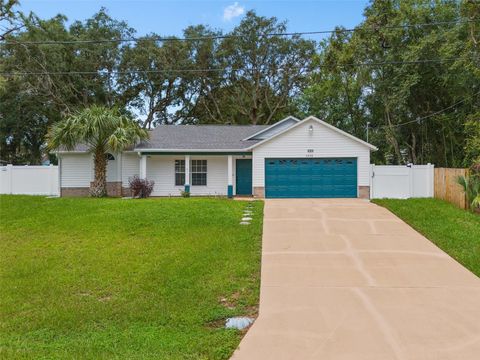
[(390, 135), (99, 186), (413, 149)]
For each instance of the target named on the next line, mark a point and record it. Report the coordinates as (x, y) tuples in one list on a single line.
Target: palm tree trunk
[(99, 186)]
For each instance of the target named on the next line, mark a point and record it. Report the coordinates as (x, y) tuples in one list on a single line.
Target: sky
[(170, 17)]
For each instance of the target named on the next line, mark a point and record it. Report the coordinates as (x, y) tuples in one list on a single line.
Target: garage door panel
[(311, 177)]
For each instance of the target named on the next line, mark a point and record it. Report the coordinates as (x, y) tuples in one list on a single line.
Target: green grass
[(125, 279), (455, 231)]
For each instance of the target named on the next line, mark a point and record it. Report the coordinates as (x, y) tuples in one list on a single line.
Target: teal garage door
[(311, 178)]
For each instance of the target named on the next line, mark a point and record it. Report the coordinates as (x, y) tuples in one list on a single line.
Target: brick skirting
[(364, 192), (114, 189), (74, 191), (126, 192), (259, 192)]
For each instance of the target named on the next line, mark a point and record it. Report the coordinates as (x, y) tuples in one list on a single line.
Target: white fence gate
[(401, 182), (29, 180)]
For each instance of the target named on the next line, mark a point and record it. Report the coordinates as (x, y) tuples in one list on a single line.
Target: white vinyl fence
[(387, 181), (402, 182), (29, 180)]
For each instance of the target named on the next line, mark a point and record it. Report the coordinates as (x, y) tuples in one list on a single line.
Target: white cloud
[(233, 11)]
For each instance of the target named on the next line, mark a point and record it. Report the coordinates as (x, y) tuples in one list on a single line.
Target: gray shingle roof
[(201, 137), (195, 137)]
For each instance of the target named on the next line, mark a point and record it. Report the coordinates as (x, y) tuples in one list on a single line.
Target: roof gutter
[(195, 152), (189, 150)]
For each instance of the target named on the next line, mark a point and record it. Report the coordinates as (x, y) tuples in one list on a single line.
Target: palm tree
[(102, 130)]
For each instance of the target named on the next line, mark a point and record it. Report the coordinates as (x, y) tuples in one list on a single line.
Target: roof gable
[(323, 123)]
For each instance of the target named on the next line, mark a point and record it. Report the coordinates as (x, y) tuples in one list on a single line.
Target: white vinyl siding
[(161, 169), (130, 167), (298, 142), (217, 176), (76, 170)]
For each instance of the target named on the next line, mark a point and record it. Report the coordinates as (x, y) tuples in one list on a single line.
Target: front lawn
[(455, 231), (126, 279)]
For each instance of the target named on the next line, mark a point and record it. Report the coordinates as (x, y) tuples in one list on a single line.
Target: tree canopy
[(410, 72), (417, 109)]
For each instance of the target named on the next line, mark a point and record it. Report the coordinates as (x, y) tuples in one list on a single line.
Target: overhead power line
[(218, 37), (192, 70), (435, 113)]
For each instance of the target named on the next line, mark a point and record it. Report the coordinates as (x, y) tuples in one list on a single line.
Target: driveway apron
[(346, 279)]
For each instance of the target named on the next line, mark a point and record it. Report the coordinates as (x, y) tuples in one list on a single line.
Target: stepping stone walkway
[(247, 215)]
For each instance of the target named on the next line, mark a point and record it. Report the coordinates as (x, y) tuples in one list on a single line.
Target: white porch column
[(230, 176), (187, 173), (143, 167)]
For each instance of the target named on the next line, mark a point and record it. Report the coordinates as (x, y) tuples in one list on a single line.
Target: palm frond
[(126, 133), (67, 134), (476, 202), (463, 182), (97, 127)]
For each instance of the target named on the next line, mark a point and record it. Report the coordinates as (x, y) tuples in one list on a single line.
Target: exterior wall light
[(310, 129)]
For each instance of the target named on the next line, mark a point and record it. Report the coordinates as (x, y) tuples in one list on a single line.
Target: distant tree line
[(417, 88)]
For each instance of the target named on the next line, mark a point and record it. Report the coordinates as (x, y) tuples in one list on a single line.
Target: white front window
[(199, 172), (179, 172)]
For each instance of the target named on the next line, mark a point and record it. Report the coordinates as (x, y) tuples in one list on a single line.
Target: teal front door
[(311, 178), (244, 177)]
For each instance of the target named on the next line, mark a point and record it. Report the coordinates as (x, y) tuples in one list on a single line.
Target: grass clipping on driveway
[(136, 279), (455, 231)]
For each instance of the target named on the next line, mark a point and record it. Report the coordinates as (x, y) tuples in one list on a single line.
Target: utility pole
[(368, 125)]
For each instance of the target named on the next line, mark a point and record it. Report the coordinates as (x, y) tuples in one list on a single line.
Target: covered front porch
[(198, 173)]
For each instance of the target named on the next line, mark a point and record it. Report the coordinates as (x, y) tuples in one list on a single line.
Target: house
[(289, 159)]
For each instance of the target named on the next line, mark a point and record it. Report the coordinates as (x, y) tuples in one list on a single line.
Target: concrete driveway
[(346, 279)]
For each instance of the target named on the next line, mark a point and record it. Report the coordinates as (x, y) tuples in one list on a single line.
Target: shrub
[(185, 194), (471, 186), (141, 188)]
